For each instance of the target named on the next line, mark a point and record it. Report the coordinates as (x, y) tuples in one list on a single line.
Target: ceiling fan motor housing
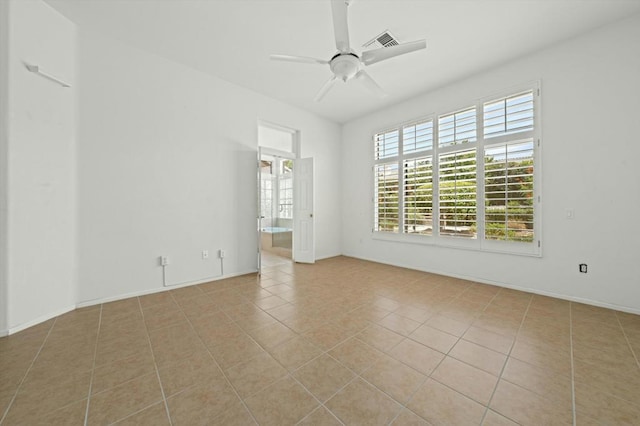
[(345, 65)]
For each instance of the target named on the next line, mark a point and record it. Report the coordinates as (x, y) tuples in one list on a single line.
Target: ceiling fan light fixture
[(345, 66)]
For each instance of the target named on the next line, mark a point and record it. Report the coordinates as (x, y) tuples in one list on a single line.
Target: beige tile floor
[(343, 341)]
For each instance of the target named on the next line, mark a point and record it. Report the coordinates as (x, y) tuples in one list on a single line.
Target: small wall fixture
[(36, 69)]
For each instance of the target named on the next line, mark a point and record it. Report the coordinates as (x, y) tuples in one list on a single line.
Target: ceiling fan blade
[(325, 88), (376, 55), (371, 84), (301, 59), (341, 25)]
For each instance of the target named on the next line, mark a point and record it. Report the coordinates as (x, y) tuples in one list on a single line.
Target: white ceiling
[(232, 39)]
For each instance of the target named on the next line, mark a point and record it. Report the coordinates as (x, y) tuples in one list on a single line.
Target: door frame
[(262, 151)]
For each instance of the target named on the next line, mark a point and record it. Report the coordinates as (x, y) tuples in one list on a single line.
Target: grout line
[(628, 342), (93, 367), (320, 407), (526, 312), (224, 374), (573, 383), (26, 373), (290, 374), (428, 376), (404, 405), (135, 412), (155, 364)]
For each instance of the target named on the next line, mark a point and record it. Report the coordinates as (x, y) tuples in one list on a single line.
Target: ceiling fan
[(346, 64)]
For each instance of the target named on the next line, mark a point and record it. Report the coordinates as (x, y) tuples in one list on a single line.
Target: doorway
[(277, 148), (276, 206), (285, 198)]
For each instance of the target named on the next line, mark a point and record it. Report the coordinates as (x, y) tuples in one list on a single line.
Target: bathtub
[(276, 236), (275, 229)]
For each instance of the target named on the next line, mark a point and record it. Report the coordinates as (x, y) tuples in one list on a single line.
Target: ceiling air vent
[(383, 40)]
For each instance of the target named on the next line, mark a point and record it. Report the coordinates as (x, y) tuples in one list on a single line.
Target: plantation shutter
[(457, 128), (386, 197), (508, 183), (417, 137), (468, 174), (387, 145), (418, 194), (509, 115), (457, 193)]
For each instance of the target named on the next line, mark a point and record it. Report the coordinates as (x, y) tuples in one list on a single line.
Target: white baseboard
[(93, 302), (514, 287), (101, 300), (36, 321), (329, 256)]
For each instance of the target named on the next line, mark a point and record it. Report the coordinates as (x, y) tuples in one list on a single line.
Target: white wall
[(40, 147), (166, 166), (4, 120), (590, 107)]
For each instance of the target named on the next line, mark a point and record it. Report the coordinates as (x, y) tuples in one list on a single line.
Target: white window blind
[(457, 193), (386, 197), (417, 137), (509, 198), (387, 145), (457, 128), (509, 115), (418, 196)]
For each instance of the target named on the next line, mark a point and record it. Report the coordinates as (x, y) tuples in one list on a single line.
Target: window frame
[(479, 242), (285, 195)]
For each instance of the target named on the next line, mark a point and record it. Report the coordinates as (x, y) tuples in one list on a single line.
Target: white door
[(303, 235), (259, 210)]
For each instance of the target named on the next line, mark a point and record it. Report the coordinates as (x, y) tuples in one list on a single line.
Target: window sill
[(512, 248)]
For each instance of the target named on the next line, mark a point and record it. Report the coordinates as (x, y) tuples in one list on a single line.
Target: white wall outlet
[(569, 214), (205, 254), (221, 253), (164, 260)]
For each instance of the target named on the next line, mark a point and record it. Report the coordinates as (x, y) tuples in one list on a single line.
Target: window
[(417, 137), (459, 127), (474, 188), (386, 145), (508, 115), (418, 194), (285, 190), (386, 197), (457, 174), (457, 193), (508, 188), (509, 155), (414, 182), (266, 189)]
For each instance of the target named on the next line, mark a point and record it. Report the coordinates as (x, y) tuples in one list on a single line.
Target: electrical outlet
[(205, 254), (164, 260), (221, 253), (582, 268)]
